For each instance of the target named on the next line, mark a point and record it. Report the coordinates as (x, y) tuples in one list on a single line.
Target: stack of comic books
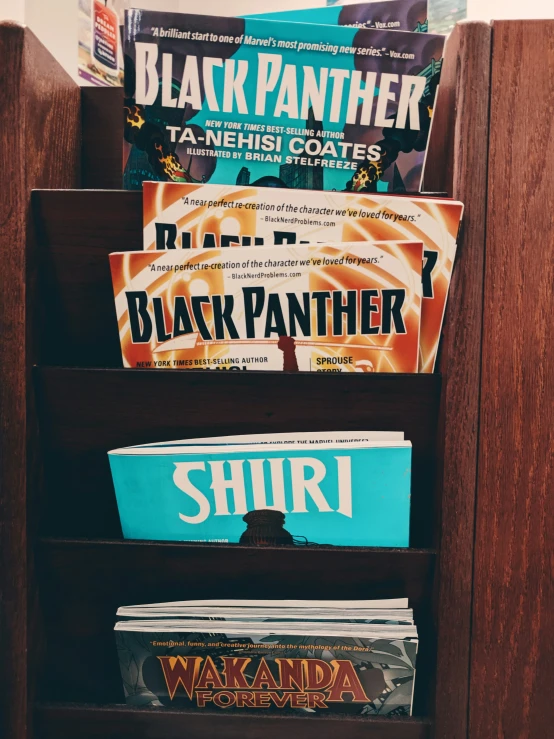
[(254, 132), (348, 657), (305, 490), (338, 106), (322, 282)]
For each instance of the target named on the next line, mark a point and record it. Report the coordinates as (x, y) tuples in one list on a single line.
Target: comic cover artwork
[(341, 308), (355, 494), (308, 674), (206, 216), (242, 101)]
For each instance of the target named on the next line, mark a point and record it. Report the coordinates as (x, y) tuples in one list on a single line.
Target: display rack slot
[(85, 413), (88, 580)]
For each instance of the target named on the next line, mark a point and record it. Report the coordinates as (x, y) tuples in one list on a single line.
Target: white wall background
[(55, 24), (13, 10), (486, 10), (55, 21)]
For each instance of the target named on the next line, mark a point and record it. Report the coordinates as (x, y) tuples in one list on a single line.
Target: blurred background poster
[(444, 14), (100, 53)]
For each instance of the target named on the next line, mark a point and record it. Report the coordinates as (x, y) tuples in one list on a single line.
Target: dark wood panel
[(39, 143), (83, 583), (85, 413), (437, 175), (465, 80), (77, 229), (66, 721), (512, 663), (102, 150)]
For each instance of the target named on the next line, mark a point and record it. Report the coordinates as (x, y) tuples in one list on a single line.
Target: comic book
[(349, 494), (346, 308), (343, 308), (207, 98), (391, 15), (183, 216), (318, 667)]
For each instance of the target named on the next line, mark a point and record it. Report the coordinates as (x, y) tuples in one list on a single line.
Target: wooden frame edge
[(466, 84)]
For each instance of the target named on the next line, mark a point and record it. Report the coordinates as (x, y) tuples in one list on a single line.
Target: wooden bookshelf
[(89, 579), (63, 721), (65, 401)]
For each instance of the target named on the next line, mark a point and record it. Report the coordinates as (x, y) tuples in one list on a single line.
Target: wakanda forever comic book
[(355, 493), (348, 668), (207, 97)]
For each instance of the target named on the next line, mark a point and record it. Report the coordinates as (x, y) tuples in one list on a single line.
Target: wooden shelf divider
[(465, 87), (39, 147), (65, 721), (88, 580)]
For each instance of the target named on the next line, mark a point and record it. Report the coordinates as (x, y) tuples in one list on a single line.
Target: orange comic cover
[(346, 308), (196, 215)]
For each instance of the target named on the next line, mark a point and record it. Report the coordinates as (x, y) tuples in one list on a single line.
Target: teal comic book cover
[(296, 104), (353, 494)]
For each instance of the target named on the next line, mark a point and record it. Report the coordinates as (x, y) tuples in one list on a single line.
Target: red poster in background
[(105, 30)]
